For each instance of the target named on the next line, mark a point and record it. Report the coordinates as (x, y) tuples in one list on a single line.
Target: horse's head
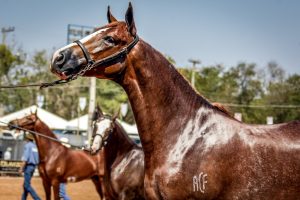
[(103, 126), (27, 122), (102, 54)]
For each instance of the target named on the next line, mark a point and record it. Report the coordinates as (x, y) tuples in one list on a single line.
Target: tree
[(285, 93), (209, 82), (8, 61)]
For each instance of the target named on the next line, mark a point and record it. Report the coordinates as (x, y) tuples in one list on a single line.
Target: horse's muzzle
[(60, 64)]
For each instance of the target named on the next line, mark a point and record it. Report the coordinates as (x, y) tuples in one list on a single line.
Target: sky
[(212, 31)]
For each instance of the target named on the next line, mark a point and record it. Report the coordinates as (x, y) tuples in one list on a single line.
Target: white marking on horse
[(199, 182), (103, 125), (87, 38), (58, 170), (220, 136), (194, 130), (57, 52), (122, 166), (83, 40), (185, 141), (99, 47), (251, 139), (71, 179)]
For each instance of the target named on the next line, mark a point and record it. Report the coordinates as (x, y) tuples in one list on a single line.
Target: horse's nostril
[(60, 60)]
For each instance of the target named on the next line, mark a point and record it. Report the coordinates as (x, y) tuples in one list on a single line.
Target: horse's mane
[(125, 133), (222, 108), (46, 126)]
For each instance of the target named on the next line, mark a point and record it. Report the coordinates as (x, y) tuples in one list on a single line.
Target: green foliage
[(284, 93), (8, 61), (208, 82), (241, 87), (245, 88)]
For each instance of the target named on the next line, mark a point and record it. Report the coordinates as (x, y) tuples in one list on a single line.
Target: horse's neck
[(118, 145), (160, 97), (116, 148), (45, 145)]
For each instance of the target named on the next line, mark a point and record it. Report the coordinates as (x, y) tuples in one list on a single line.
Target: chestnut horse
[(192, 149), (58, 164), (123, 159)]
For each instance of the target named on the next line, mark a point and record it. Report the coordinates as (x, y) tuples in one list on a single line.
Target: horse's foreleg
[(47, 189), (98, 185), (46, 182), (56, 190)]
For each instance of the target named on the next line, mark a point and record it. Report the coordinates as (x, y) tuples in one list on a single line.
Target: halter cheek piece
[(92, 64)]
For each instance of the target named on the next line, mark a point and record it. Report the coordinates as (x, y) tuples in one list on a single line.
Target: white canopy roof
[(83, 123), (52, 120)]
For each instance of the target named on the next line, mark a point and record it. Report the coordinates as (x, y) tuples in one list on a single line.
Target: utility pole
[(92, 103), (194, 62), (76, 32), (4, 31)]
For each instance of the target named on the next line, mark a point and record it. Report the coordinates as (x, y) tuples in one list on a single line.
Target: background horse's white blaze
[(102, 127)]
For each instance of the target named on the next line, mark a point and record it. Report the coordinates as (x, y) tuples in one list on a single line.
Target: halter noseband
[(85, 52), (91, 63)]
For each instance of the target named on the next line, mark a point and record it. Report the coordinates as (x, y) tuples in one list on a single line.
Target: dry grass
[(11, 188)]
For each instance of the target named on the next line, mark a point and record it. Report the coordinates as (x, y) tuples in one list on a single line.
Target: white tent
[(83, 123), (52, 120), (131, 129)]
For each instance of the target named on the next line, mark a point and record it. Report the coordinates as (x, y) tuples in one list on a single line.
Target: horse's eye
[(110, 40)]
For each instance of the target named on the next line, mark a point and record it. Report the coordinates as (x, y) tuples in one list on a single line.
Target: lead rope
[(42, 135), (41, 85)]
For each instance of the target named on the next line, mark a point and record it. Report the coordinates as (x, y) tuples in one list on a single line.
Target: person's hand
[(20, 170)]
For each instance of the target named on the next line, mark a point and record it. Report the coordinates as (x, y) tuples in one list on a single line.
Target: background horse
[(123, 159), (193, 150), (58, 163)]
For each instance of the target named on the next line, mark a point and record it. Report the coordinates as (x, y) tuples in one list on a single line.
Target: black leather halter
[(92, 63), (85, 52)]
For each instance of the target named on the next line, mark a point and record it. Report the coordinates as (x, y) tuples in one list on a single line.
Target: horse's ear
[(33, 112), (97, 108), (110, 17), (116, 115), (97, 113), (130, 20)]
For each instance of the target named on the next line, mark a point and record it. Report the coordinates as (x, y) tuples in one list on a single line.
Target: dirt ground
[(11, 189)]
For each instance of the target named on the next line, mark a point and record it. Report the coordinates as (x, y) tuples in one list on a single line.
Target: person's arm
[(25, 157)]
